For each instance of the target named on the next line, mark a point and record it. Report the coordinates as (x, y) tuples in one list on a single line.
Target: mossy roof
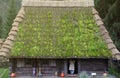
[(59, 33)]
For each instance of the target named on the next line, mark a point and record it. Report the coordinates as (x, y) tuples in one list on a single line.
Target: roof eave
[(59, 57), (105, 35)]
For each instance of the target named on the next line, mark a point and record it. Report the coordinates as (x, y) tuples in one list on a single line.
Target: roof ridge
[(60, 3), (105, 35), (8, 43)]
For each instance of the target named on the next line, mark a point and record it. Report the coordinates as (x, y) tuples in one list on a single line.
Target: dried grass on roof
[(59, 32)]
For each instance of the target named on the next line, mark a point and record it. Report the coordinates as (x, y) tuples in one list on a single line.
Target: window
[(52, 63), (28, 63), (47, 63), (20, 63)]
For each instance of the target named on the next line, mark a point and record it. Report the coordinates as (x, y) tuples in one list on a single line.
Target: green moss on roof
[(59, 32)]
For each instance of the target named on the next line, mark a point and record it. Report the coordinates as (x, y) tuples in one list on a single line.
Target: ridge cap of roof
[(60, 3)]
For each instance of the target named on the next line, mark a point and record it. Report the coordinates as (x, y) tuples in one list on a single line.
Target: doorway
[(75, 61)]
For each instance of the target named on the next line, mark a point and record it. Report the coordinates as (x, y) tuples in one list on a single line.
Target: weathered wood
[(65, 66), (93, 65), (96, 65), (46, 68), (24, 71), (79, 66)]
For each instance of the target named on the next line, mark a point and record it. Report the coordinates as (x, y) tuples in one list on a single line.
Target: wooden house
[(47, 35)]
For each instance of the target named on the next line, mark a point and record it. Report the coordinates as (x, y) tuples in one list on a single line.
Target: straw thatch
[(7, 45), (105, 35), (61, 3)]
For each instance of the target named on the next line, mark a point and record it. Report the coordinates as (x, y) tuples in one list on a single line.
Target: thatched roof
[(7, 45), (56, 3), (104, 33), (58, 32)]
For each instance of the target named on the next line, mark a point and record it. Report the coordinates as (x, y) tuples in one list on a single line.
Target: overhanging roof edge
[(105, 35)]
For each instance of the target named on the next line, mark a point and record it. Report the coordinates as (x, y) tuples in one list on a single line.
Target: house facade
[(51, 66), (54, 37)]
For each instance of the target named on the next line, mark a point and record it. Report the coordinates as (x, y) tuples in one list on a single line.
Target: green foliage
[(116, 34), (114, 71), (109, 11), (1, 27), (3, 9), (4, 72), (103, 6), (10, 17), (84, 75), (112, 23), (5, 14), (59, 32)]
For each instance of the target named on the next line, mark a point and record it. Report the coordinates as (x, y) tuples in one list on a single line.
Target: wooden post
[(79, 66), (65, 67)]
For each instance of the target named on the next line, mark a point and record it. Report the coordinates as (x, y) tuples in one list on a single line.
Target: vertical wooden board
[(79, 66), (65, 66)]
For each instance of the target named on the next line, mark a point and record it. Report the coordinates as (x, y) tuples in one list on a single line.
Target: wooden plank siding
[(24, 71), (90, 65), (46, 68), (59, 65)]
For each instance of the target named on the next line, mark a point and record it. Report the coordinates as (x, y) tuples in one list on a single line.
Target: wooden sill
[(72, 75)]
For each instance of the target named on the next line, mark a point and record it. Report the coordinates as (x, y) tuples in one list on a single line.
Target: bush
[(83, 75), (115, 72)]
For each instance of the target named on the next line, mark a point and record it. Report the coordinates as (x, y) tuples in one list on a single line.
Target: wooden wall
[(48, 67), (51, 67), (93, 65), (24, 67)]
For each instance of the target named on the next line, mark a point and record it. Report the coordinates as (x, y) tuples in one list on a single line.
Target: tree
[(103, 6), (10, 17), (112, 22), (1, 27), (110, 13)]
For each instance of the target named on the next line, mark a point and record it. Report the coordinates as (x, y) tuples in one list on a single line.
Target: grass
[(5, 75), (1, 70)]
